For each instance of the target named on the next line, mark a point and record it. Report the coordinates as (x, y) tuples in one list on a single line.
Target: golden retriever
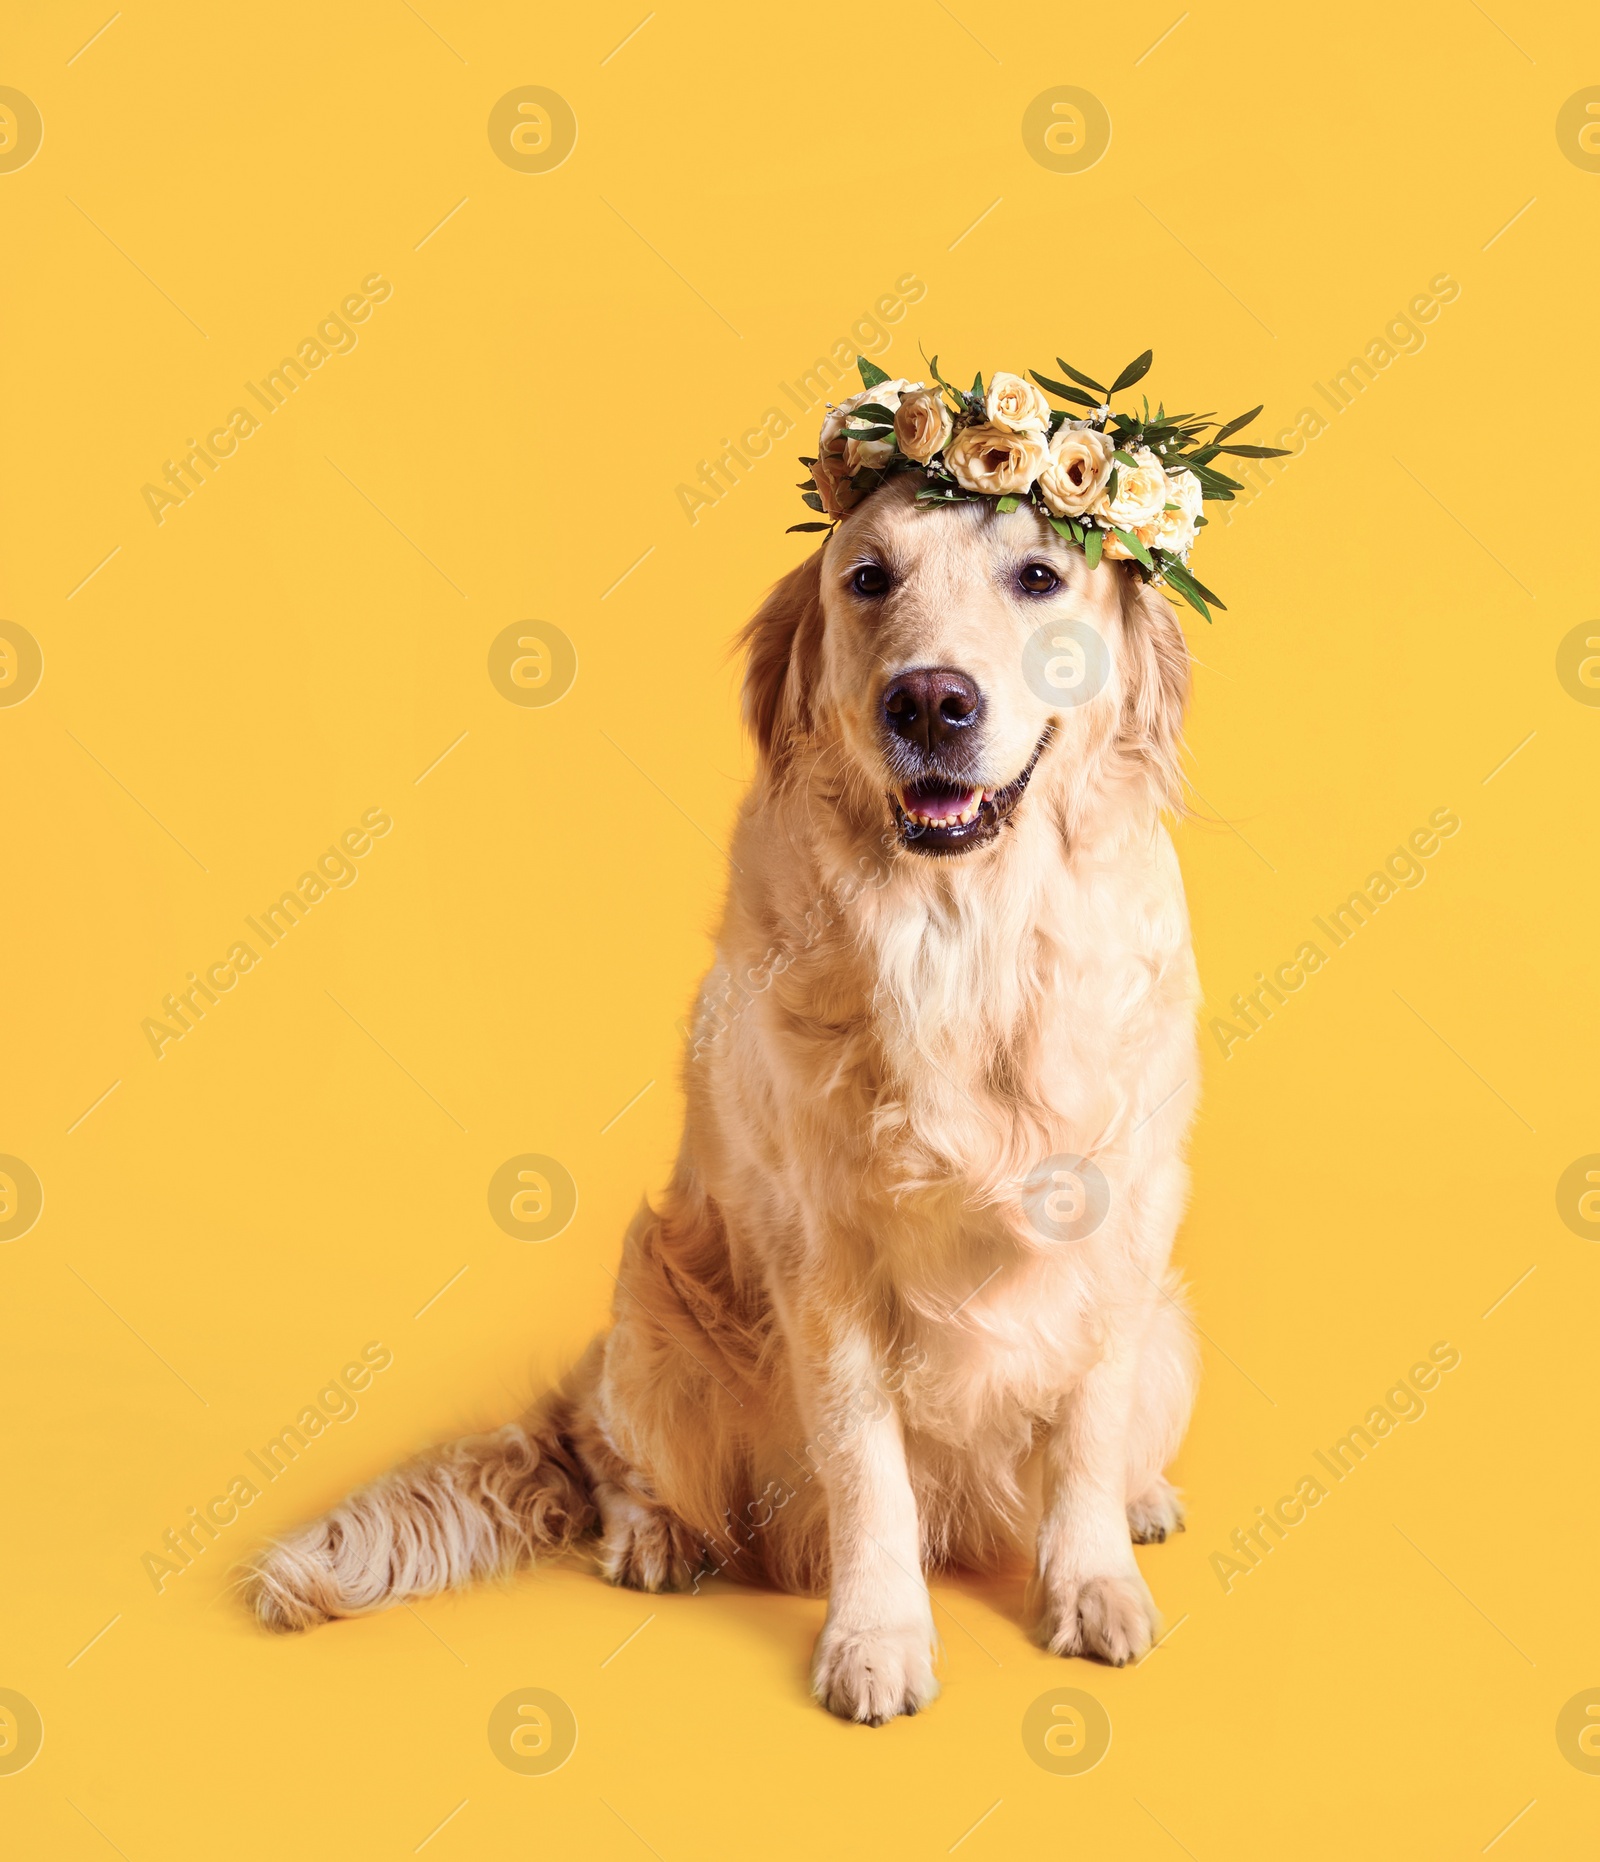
[(906, 1302)]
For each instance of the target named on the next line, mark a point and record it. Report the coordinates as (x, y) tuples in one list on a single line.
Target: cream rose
[(990, 460), (1016, 404), (1079, 465), (835, 442), (922, 424), (1174, 528), (1141, 493)]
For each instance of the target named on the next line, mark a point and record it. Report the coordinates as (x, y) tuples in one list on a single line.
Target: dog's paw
[(295, 1584), (872, 1675), (1112, 1619), (644, 1547), (1156, 1513)]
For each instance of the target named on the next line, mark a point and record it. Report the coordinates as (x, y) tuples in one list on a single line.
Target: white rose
[(922, 424), (1141, 492), (1080, 464), (1174, 528), (991, 460), (834, 441), (1016, 404)]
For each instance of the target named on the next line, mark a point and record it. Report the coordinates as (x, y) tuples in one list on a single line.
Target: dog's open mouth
[(935, 816)]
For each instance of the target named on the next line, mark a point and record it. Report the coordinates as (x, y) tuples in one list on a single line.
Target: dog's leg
[(874, 1658), (1088, 1597), (1168, 1370)]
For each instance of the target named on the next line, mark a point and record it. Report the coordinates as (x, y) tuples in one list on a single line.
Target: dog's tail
[(477, 1507)]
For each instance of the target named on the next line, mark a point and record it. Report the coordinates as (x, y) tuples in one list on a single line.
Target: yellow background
[(301, 640)]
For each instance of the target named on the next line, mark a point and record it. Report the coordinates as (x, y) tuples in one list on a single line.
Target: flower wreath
[(1124, 485)]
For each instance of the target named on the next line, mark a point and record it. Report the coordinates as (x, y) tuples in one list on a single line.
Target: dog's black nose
[(931, 706)]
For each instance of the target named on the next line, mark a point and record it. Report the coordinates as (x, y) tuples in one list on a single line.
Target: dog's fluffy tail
[(475, 1508)]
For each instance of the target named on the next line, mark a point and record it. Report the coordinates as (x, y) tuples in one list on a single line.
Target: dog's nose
[(931, 706)]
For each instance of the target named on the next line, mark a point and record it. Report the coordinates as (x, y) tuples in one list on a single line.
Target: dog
[(906, 1304)]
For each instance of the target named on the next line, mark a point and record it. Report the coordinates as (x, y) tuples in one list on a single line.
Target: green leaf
[(1233, 426), (1136, 370), (868, 433), (794, 527), (871, 374), (1093, 543), (977, 384), (1062, 392), (814, 500), (1256, 452), (1126, 459), (871, 410), (1007, 503), (1133, 546), (1077, 375), (1192, 590)]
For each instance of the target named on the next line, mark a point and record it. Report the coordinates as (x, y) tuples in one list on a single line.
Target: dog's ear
[(783, 643), (1151, 728)]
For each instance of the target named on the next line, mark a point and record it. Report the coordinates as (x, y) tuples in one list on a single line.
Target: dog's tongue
[(941, 805)]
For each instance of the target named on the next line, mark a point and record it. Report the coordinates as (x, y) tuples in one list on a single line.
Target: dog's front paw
[(1111, 1618), (871, 1675), (1156, 1513)]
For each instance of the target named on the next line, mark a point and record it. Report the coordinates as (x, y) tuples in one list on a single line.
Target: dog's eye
[(871, 580), (1038, 578)]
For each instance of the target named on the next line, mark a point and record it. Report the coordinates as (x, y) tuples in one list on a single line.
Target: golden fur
[(842, 1353)]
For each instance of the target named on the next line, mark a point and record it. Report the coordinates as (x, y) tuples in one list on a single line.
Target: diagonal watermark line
[(1164, 1638), (440, 758), (97, 1830), (632, 1831), (1161, 41), (1511, 1825), (967, 30), (1207, 269), (1510, 1290), (1511, 222), (978, 1825), (1463, 1595), (399, 1063), (395, 527), (1509, 41), (441, 1293), (1506, 759), (99, 35), (627, 572), (449, 48), (99, 1102), (974, 1293), (135, 800), (96, 570), (976, 223), (141, 1338), (671, 267), (1155, 1109), (1457, 521), (1163, 1828), (447, 218), (94, 1639), (627, 1639), (663, 794), (439, 1826), (1465, 1062), (136, 266), (1236, 830), (627, 41), (627, 1108), (441, 1642)]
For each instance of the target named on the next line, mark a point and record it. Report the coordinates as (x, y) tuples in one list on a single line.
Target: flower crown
[(1122, 485)]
